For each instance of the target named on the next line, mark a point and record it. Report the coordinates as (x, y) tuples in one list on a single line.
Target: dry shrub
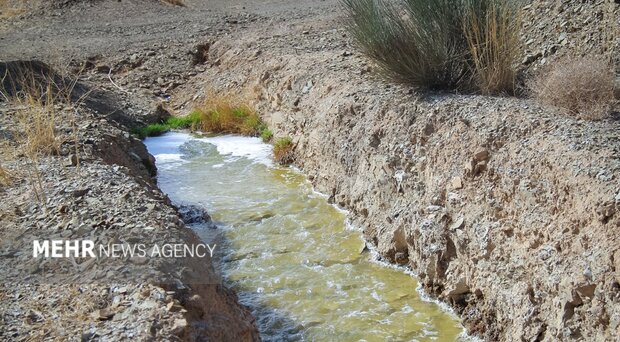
[(227, 113), (35, 95), (584, 86), (493, 42), (36, 116), (5, 177), (439, 44)]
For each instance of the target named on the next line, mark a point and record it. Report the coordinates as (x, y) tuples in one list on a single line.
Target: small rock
[(307, 87), (179, 326), (458, 224), (72, 160), (103, 314), (88, 336), (433, 208), (529, 59), (468, 167), (459, 288), (456, 183), (586, 290), (562, 37), (481, 155), (80, 192)]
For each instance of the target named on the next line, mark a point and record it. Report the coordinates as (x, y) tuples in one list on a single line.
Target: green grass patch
[(191, 121), (219, 114), (183, 122), (151, 130), (266, 134), (283, 151)]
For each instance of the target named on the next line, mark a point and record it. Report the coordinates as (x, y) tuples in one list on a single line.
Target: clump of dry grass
[(468, 45), (9, 9), (5, 177), (283, 151), (226, 113), (36, 115), (35, 97), (584, 86), (493, 40)]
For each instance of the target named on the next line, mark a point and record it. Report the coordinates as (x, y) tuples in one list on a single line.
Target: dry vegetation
[(9, 8), (36, 116), (5, 177), (283, 151), (584, 86), (35, 99), (227, 113), (493, 45), (439, 44)]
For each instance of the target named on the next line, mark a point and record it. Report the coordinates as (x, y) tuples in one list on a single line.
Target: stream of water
[(287, 252)]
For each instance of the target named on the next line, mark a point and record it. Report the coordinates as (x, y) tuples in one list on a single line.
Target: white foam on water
[(237, 146), (166, 148), (168, 157)]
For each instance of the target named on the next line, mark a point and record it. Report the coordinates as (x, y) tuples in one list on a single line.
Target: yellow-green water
[(288, 253)]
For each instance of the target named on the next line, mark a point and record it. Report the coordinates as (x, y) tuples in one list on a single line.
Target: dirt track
[(148, 45), (109, 28)]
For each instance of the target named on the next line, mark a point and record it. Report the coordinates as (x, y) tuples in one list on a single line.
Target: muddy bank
[(97, 185), (507, 210)]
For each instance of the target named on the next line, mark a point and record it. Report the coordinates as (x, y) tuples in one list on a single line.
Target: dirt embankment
[(507, 210), (96, 185)]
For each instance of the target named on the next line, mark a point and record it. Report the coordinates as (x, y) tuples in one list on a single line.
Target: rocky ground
[(506, 209), (97, 185)]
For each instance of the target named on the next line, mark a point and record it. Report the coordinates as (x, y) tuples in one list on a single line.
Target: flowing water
[(288, 253)]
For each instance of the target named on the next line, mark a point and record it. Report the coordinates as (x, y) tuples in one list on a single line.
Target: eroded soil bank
[(97, 186), (506, 210)]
